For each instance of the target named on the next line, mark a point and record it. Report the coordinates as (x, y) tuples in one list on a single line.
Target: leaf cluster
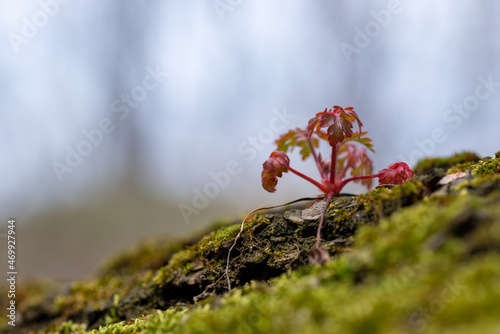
[(349, 153)]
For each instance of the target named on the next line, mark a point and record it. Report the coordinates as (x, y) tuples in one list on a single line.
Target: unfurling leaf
[(274, 167), (335, 134), (396, 173), (338, 121)]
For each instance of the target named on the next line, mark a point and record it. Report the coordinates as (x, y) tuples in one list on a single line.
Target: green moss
[(383, 201), (399, 279), (462, 167), (152, 262), (414, 271), (487, 167), (342, 215), (197, 255), (91, 294), (118, 276), (338, 202), (445, 162), (180, 261), (213, 241), (384, 245), (28, 295), (479, 182), (429, 264), (165, 321), (132, 327), (150, 254), (67, 327)]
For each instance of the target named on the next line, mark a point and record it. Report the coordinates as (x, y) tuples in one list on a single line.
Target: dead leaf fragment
[(452, 177), (319, 255)]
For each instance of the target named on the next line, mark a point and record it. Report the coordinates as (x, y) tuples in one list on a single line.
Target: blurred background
[(123, 120)]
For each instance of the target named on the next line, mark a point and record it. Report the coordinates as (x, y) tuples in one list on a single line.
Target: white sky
[(225, 79)]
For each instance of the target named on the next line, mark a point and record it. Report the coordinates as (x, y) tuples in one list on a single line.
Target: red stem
[(316, 183), (358, 178), (333, 164), (318, 164), (318, 233)]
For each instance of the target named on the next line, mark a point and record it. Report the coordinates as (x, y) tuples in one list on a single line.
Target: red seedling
[(348, 156)]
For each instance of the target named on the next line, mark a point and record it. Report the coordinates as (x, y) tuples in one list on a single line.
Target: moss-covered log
[(422, 256)]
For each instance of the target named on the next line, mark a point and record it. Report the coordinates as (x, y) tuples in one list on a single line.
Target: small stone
[(314, 211), (452, 177), (294, 216)]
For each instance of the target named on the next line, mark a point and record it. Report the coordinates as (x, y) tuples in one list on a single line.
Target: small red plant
[(348, 156)]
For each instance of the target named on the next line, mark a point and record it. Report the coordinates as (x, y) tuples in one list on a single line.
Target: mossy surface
[(419, 257), (426, 164), (488, 166)]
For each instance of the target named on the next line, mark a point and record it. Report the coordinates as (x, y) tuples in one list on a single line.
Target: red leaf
[(335, 134), (327, 119), (352, 116), (274, 167), (314, 123), (338, 121), (346, 127), (396, 173)]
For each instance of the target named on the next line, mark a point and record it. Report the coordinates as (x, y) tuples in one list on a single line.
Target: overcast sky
[(178, 91)]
